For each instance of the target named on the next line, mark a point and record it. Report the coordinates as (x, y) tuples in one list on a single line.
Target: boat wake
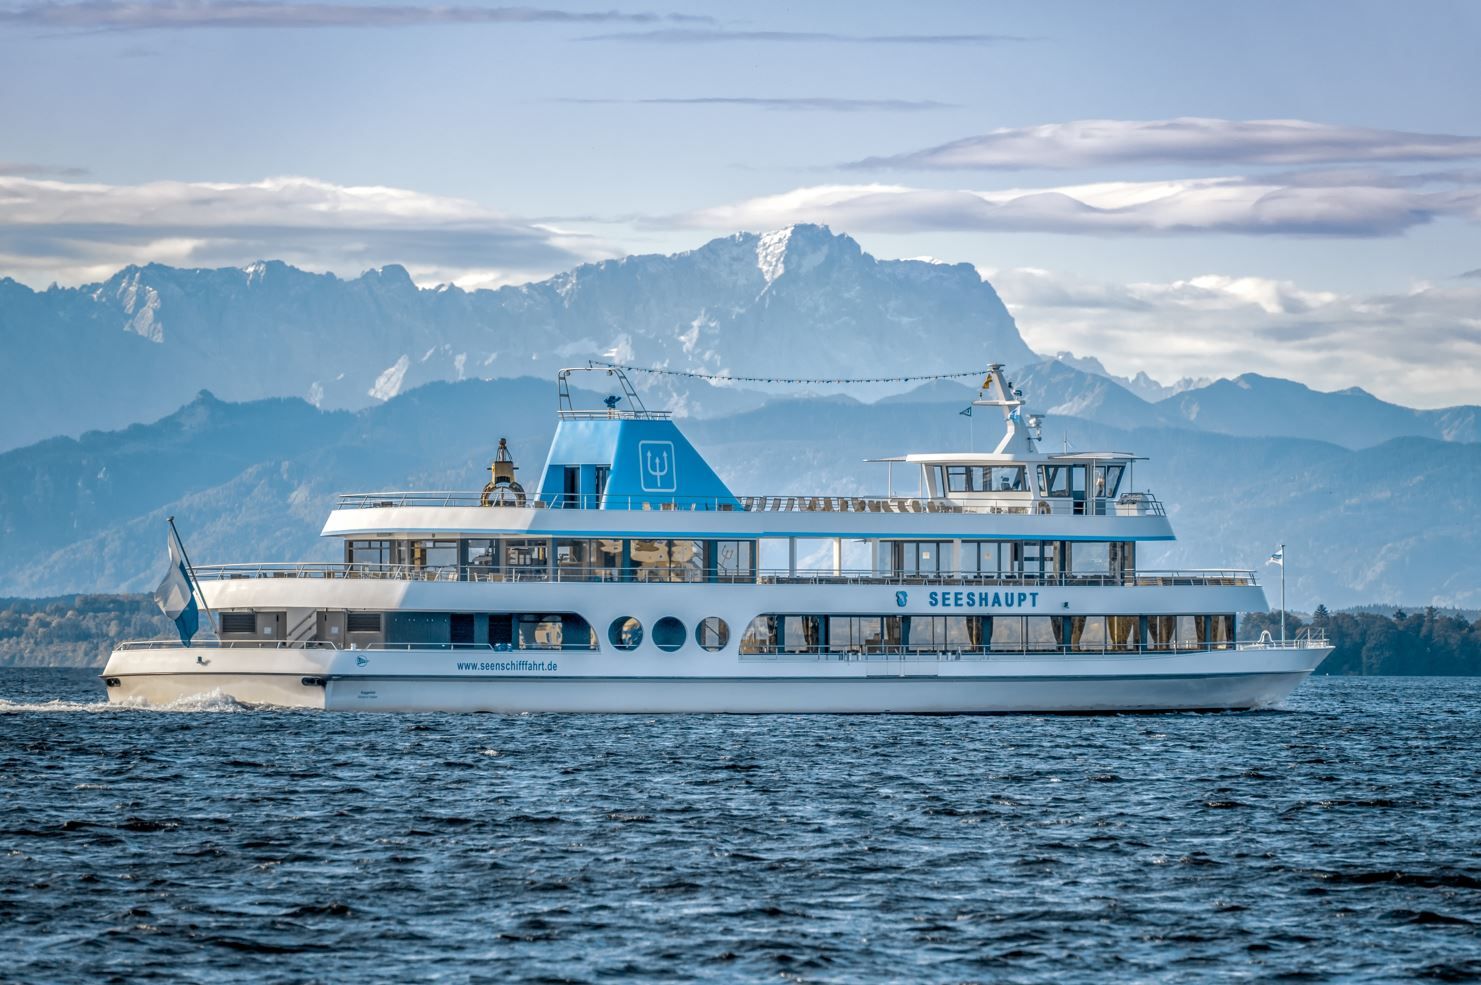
[(215, 702)]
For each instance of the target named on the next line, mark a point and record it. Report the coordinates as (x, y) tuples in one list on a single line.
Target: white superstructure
[(631, 580)]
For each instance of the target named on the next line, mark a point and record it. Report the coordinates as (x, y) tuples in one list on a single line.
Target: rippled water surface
[(1337, 838)]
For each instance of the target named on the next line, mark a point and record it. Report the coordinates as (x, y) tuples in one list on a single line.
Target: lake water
[(1336, 838)]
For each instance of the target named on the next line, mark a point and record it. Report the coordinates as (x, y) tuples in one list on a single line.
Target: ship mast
[(1018, 429)]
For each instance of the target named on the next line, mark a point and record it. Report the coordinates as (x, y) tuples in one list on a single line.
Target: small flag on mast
[(175, 595), (967, 412), (1279, 557)]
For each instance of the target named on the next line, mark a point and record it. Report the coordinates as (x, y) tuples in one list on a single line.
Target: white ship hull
[(422, 681)]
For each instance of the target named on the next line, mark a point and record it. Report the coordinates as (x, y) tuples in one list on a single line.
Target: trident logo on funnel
[(656, 466)]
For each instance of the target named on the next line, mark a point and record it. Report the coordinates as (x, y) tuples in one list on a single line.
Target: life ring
[(502, 494), (1045, 506)]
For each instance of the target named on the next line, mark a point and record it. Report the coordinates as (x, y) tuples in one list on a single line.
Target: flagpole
[(194, 582), (1282, 592)]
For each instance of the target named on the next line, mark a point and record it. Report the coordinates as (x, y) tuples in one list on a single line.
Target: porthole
[(712, 633), (668, 634), (625, 633)]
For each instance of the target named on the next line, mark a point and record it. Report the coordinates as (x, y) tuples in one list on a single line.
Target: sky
[(1190, 190)]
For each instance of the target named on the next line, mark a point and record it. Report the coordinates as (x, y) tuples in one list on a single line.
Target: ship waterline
[(630, 580)]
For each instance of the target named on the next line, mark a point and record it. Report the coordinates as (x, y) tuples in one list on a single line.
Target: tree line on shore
[(79, 630), (1424, 643)]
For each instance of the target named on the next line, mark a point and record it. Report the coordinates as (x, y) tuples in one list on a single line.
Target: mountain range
[(796, 301), (143, 342), (242, 399)]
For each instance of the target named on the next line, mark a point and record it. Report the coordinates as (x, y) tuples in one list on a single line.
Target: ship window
[(1220, 634), (856, 634), (1054, 480), (761, 635), (368, 552), (1090, 558), (650, 560), (801, 634), (241, 622), (957, 479), (482, 557), (1002, 478), (435, 554), (668, 634), (1122, 633), (735, 560), (606, 557), (1088, 632), (712, 634), (625, 633), (1173, 632), (557, 631), (987, 557), (920, 557), (588, 560), (1007, 633), (687, 557), (363, 622), (527, 558), (461, 629), (1108, 480), (943, 632), (570, 554), (1035, 557), (1043, 632)]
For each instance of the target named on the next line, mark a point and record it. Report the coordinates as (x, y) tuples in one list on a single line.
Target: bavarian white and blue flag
[(1279, 557), (175, 594)]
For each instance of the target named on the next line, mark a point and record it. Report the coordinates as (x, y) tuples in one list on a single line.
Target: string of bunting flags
[(836, 381)]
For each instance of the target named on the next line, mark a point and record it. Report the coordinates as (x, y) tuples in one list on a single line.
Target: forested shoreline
[(79, 630)]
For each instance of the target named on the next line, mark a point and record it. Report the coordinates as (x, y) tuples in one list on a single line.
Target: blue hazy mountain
[(254, 481), (1251, 404)]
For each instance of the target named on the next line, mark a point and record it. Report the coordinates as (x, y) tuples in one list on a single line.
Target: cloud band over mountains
[(1352, 206), (1187, 140), (79, 231)]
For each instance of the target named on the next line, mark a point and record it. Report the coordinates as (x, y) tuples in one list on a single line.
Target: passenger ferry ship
[(629, 580)]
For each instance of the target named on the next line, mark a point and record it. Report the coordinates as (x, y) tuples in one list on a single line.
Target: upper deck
[(636, 463)]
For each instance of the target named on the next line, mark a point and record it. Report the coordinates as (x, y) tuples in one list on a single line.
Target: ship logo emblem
[(901, 598), (361, 661), (656, 466)]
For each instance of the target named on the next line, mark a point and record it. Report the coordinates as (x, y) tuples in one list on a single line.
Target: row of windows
[(766, 634), (877, 633), (505, 630), (674, 560), (596, 559), (1054, 480), (1035, 558)]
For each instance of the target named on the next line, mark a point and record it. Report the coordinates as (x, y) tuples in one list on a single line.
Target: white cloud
[(135, 15), (1092, 143), (1233, 204), (75, 232), (1419, 348)]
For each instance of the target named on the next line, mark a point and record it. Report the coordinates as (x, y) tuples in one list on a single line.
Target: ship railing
[(683, 574), (934, 653), (1130, 504), (215, 644), (1303, 641)]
